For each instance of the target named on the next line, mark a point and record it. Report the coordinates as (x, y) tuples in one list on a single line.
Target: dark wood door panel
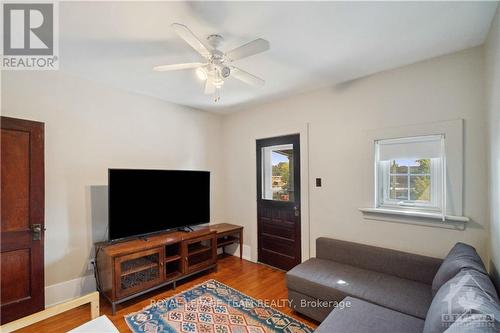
[(15, 275), (15, 178), (284, 231), (15, 240), (279, 244), (278, 213), (22, 206), (277, 260), (271, 211)]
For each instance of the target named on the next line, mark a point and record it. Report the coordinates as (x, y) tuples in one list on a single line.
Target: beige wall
[(90, 128), (493, 105), (339, 117)]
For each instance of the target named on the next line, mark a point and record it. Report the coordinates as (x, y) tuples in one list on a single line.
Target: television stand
[(228, 234), (130, 268)]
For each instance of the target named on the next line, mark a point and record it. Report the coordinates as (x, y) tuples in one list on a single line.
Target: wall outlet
[(90, 265)]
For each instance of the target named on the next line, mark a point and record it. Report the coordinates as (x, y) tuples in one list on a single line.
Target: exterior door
[(278, 201), (22, 218)]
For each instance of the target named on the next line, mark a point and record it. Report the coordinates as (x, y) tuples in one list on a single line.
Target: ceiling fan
[(217, 66)]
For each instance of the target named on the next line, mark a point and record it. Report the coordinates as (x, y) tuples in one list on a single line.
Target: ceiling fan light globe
[(201, 73), (225, 72)]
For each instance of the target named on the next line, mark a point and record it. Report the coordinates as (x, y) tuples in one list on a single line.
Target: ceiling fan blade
[(249, 49), (246, 77), (192, 40), (209, 86), (175, 67)]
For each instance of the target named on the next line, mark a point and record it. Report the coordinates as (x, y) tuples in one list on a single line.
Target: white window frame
[(437, 205), (267, 182)]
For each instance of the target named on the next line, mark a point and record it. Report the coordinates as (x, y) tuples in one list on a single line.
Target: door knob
[(36, 231), (296, 211)]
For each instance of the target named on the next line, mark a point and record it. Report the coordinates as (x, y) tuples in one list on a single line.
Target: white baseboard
[(246, 252), (64, 291)]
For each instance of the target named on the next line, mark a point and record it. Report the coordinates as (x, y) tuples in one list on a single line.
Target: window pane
[(399, 188), (421, 166), (281, 174), (277, 173), (420, 188), (399, 166)]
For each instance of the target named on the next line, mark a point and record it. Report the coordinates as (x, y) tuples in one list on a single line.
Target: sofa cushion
[(469, 293), (360, 317), (309, 306), (331, 281), (401, 264), (461, 256)]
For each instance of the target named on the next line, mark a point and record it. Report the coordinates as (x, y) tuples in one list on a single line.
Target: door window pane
[(277, 173)]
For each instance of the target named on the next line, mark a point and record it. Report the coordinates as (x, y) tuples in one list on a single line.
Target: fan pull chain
[(217, 94), (218, 85)]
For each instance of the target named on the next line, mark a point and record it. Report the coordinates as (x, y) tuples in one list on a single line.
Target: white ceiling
[(312, 44)]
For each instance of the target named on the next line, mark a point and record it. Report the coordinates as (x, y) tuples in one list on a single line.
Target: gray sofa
[(352, 287)]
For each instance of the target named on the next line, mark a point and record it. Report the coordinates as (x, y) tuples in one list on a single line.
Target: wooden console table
[(133, 267), (228, 234)]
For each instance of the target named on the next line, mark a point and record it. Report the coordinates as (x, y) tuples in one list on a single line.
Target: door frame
[(303, 130)]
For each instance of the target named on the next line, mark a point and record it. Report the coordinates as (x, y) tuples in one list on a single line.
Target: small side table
[(228, 234)]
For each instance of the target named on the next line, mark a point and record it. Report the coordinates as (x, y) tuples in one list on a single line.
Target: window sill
[(451, 222)]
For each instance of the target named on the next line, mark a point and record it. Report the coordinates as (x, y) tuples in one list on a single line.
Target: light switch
[(318, 182)]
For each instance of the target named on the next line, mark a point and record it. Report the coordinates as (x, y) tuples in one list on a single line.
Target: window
[(418, 174), (410, 173), (277, 173)]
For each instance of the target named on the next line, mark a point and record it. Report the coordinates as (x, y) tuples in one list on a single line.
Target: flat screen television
[(148, 201)]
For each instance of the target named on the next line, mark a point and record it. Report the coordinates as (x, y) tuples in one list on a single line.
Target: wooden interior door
[(22, 218), (278, 201)]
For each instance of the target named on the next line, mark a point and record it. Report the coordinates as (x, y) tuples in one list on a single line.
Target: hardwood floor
[(256, 280)]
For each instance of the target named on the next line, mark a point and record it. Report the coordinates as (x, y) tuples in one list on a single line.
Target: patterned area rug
[(212, 307)]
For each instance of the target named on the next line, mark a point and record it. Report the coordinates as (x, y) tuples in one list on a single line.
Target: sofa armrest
[(405, 265)]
